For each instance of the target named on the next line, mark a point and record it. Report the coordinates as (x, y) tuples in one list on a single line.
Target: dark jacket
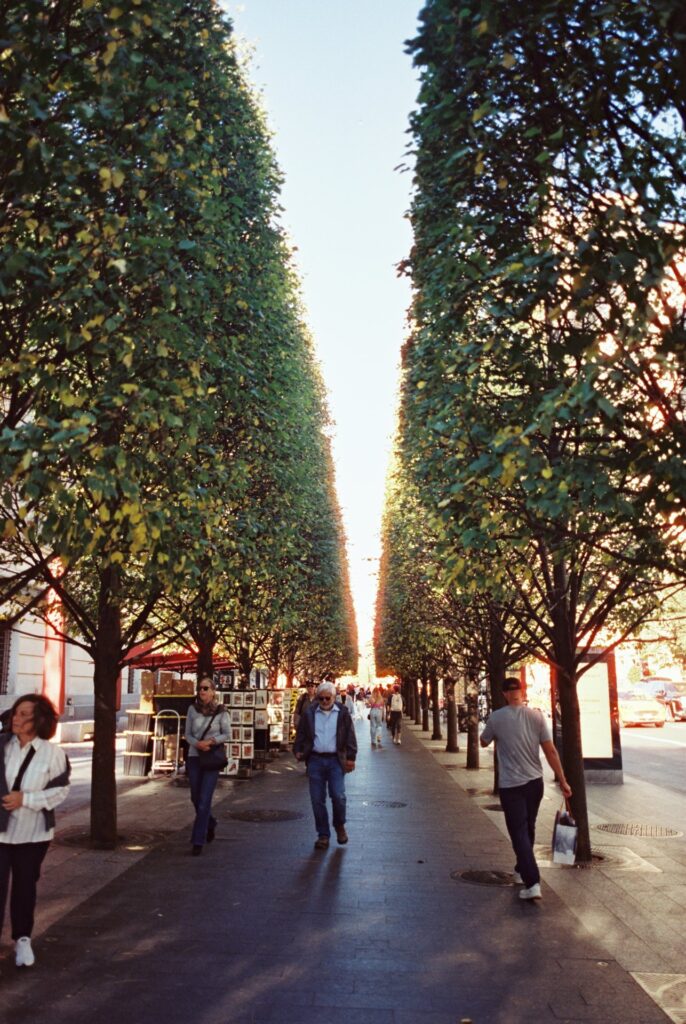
[(346, 741)]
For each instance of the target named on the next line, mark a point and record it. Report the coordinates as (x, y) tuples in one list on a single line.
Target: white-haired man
[(326, 741)]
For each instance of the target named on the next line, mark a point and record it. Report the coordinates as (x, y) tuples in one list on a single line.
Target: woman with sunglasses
[(38, 773), (207, 726)]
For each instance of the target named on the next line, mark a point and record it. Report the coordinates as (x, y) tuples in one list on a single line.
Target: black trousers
[(22, 863)]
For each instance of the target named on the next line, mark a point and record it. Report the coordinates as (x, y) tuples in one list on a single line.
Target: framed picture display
[(276, 696), (227, 698), (236, 733), (238, 696), (236, 716), (249, 699), (247, 716), (247, 734), (261, 718), (275, 733), (234, 750), (233, 766), (275, 715), (261, 698), (247, 751)]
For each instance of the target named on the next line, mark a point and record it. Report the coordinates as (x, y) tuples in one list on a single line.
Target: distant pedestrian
[(326, 741), (304, 701), (38, 772), (396, 713), (207, 728), (377, 711), (519, 732)]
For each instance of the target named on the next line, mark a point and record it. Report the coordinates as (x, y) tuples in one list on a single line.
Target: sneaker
[(532, 893), (322, 843), (517, 878), (341, 835), (23, 954), (399, 741)]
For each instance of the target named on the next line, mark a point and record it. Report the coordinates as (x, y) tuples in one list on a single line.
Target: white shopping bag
[(565, 835)]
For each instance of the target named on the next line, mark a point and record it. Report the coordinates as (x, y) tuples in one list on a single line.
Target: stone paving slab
[(262, 929)]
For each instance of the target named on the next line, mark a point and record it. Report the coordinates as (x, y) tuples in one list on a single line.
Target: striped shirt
[(27, 823)]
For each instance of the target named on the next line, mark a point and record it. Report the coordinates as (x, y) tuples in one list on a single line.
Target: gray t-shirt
[(519, 732)]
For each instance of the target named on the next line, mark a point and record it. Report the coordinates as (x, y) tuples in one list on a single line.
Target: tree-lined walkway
[(264, 929)]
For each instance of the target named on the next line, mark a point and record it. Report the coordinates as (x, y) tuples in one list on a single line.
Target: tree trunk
[(472, 724), (416, 701), (244, 667), (205, 638), (107, 656), (436, 711), (274, 660), (452, 745), (425, 700), (564, 639)]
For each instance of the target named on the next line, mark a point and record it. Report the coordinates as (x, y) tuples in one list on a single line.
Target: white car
[(638, 709)]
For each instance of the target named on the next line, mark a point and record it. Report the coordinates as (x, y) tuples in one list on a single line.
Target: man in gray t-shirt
[(520, 733)]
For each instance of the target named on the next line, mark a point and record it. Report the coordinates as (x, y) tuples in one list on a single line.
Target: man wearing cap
[(519, 732), (326, 741)]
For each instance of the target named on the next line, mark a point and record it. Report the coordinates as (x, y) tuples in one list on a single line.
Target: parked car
[(670, 693), (639, 709)]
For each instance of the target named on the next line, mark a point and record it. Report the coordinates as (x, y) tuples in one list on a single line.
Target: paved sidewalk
[(263, 929)]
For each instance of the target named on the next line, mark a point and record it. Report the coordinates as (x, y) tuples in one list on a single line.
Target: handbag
[(565, 834), (214, 759)]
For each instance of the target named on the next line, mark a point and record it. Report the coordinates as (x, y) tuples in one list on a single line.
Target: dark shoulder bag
[(214, 759)]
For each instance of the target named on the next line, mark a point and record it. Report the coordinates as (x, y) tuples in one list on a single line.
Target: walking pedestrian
[(326, 741), (377, 711), (519, 732), (207, 729), (396, 713), (38, 772)]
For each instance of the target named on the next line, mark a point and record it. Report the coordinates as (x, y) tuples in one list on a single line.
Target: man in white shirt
[(520, 733), (326, 741)]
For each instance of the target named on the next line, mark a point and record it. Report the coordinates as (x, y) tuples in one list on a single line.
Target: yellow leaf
[(105, 178), (117, 178), (110, 51), (8, 529), (87, 4), (4, 119), (115, 13), (482, 27), (509, 60), (421, 384), (142, 194), (104, 514), (547, 473), (502, 183)]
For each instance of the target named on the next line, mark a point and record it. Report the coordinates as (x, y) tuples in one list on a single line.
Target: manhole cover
[(646, 831), (386, 803), (265, 815), (133, 841), (483, 877)]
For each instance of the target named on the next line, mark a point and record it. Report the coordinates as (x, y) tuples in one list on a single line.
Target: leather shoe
[(322, 843), (342, 836), (197, 850)]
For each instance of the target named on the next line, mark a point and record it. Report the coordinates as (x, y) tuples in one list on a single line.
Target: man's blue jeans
[(323, 771), (520, 804), (203, 785)]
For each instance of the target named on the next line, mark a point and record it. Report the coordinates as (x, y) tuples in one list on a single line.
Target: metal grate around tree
[(642, 831)]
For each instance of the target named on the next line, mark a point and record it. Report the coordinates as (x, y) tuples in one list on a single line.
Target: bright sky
[(338, 89)]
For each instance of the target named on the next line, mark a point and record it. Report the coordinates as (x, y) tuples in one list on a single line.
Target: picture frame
[(236, 733), (238, 698), (233, 766), (275, 733), (261, 718), (234, 750), (236, 716), (247, 734), (261, 698), (249, 699), (227, 698), (247, 751), (276, 697), (247, 716)]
